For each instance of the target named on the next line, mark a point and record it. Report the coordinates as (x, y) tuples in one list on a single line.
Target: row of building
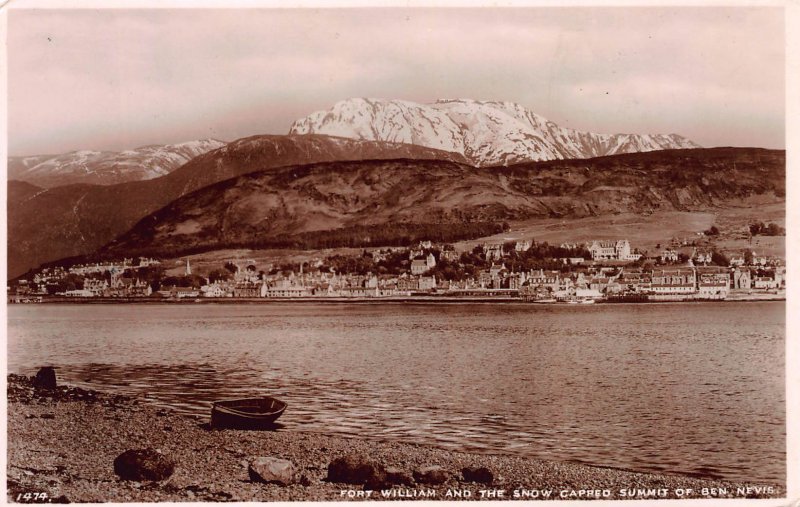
[(684, 282)]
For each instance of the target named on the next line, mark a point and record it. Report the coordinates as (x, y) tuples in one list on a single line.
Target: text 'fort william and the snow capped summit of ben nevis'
[(487, 133)]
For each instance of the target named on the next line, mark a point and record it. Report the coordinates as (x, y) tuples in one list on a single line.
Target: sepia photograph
[(264, 252)]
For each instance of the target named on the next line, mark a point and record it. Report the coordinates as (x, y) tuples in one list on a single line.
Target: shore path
[(63, 444)]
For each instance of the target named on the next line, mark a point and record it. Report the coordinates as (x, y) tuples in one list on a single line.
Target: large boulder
[(431, 475), (481, 475), (272, 470), (143, 465), (355, 469), (45, 378)]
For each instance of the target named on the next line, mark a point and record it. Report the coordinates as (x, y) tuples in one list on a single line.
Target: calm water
[(684, 388)]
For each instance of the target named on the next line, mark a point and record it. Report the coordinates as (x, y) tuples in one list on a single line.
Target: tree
[(219, 275), (719, 259), (712, 231), (756, 228), (775, 230)]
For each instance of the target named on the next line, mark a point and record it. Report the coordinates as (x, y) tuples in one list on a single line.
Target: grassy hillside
[(369, 203)]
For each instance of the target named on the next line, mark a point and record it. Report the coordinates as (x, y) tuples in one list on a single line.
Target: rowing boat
[(246, 413)]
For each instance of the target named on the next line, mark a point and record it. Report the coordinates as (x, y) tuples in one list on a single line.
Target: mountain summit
[(486, 133)]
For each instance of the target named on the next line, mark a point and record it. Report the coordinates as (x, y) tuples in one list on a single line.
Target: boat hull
[(248, 413)]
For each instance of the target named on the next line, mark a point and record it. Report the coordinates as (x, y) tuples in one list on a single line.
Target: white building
[(619, 250)]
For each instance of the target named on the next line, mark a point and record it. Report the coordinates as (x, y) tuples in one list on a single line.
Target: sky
[(114, 79)]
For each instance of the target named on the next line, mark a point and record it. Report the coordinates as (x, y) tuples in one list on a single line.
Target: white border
[(792, 30)]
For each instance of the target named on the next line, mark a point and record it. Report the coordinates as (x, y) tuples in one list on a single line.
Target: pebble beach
[(62, 444)]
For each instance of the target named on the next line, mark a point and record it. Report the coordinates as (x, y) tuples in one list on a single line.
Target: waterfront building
[(765, 283), (713, 283), (81, 293), (247, 289), (740, 279), (427, 282), (98, 288), (674, 281), (548, 279)]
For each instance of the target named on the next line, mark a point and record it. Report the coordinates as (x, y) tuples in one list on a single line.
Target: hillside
[(77, 219), (107, 167), (486, 133), (385, 202)]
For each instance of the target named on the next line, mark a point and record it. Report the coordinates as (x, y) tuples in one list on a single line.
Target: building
[(427, 282), (713, 283), (247, 289), (546, 279), (701, 257), (674, 281), (523, 246), (765, 283), (493, 251), (98, 288), (619, 250), (420, 266), (669, 255), (740, 279)]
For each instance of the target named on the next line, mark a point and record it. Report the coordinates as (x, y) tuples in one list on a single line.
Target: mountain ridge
[(107, 167), (487, 133)]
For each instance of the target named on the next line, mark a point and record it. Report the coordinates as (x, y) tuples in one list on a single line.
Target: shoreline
[(63, 443), (381, 300)]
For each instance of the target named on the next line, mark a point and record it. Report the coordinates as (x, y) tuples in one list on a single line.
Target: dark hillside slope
[(77, 219), (379, 202)]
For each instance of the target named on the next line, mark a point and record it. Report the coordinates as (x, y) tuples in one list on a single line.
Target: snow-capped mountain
[(486, 133), (107, 167)]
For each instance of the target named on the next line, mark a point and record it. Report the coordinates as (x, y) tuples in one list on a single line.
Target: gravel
[(63, 443)]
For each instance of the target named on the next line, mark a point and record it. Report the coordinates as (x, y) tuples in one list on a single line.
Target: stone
[(45, 378), (143, 465), (431, 475), (390, 478), (398, 477), (355, 469), (481, 475), (272, 471)]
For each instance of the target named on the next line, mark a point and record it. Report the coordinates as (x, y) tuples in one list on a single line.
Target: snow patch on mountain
[(486, 132), (108, 167)]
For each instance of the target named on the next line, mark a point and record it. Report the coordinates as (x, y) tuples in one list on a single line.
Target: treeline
[(400, 234), (397, 234), (766, 229)]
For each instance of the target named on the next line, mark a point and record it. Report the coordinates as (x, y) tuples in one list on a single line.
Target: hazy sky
[(116, 79)]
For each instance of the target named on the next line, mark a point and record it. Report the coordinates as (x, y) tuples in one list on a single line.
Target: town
[(598, 271)]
